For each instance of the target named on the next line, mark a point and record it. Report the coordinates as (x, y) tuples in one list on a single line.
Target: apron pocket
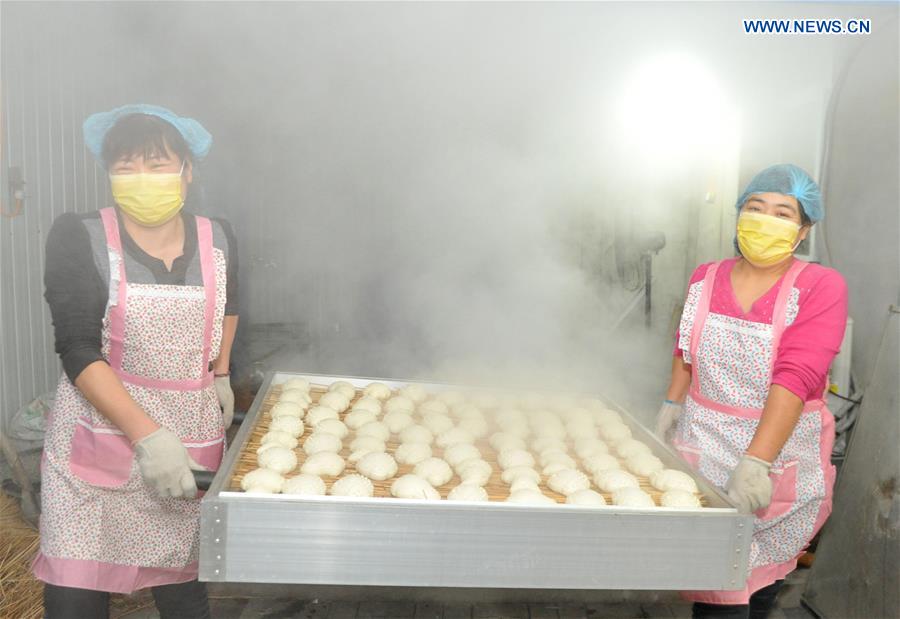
[(784, 492), (207, 454), (99, 456)]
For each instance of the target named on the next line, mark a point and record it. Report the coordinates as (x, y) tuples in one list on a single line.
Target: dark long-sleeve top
[(76, 278)]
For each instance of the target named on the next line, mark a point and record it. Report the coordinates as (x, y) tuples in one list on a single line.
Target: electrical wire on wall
[(16, 183), (845, 414), (15, 212), (632, 274), (16, 186)]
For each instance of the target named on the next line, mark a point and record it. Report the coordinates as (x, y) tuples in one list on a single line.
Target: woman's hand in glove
[(749, 485), (166, 465), (666, 418), (226, 398)]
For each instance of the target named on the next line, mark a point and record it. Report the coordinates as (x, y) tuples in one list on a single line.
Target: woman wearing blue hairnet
[(745, 403), (144, 303)]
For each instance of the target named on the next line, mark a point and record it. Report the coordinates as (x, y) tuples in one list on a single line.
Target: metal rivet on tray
[(217, 540)]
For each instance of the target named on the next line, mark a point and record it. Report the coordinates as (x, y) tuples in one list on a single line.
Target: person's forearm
[(681, 380), (779, 418), (223, 361), (105, 391)]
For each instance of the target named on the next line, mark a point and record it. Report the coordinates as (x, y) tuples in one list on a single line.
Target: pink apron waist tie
[(172, 385), (811, 406)]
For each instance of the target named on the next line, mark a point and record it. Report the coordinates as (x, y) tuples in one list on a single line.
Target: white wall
[(862, 191)]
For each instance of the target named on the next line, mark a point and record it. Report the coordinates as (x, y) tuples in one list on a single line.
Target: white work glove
[(666, 418), (166, 465), (226, 398), (749, 485)]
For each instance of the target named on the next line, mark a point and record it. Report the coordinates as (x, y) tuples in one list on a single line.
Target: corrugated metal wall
[(44, 101)]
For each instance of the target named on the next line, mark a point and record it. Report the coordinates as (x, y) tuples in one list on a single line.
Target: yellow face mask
[(765, 240), (149, 199)]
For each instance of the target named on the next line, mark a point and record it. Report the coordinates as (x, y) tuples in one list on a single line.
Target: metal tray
[(397, 542)]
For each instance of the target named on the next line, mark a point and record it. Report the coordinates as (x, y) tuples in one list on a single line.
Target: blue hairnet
[(98, 125), (790, 180)]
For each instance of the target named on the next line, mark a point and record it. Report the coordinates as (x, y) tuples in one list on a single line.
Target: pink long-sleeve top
[(811, 342)]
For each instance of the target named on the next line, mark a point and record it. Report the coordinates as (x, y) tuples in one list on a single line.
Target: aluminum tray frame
[(248, 537)]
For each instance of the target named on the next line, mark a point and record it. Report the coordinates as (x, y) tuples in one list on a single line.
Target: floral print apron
[(731, 366), (102, 527)]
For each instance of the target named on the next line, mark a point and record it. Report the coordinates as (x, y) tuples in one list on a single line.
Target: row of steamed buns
[(453, 422)]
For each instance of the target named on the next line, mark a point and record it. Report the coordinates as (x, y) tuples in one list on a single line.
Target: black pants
[(186, 600), (760, 604)]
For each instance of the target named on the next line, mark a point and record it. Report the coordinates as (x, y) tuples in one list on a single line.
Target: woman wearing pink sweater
[(745, 403)]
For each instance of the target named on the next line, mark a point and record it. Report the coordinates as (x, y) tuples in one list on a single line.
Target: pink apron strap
[(117, 310), (700, 314), (208, 272), (779, 311)]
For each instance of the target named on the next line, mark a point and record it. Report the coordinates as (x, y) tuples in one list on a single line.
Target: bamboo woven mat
[(496, 488)]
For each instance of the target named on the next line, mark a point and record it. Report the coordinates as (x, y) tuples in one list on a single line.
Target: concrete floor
[(278, 602)]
